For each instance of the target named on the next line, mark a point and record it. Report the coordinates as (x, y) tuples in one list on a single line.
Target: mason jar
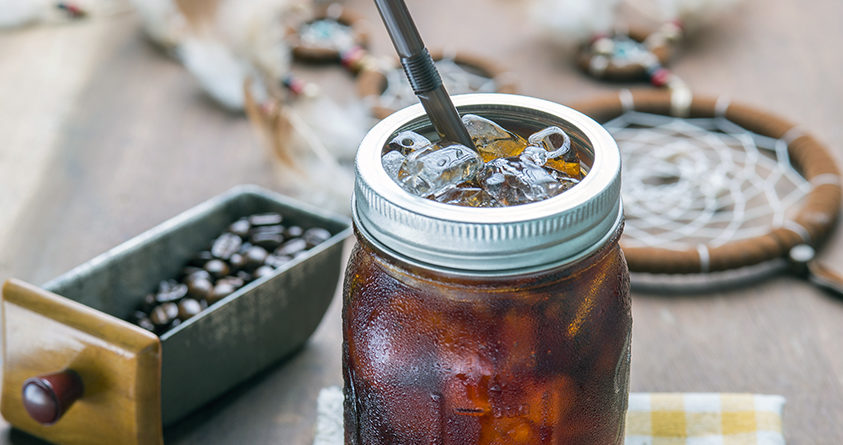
[(505, 325)]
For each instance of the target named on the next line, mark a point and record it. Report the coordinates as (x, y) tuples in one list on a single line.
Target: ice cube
[(467, 196), (491, 140), (534, 155), (407, 142), (564, 178), (561, 156), (392, 163), (512, 181), (432, 169)]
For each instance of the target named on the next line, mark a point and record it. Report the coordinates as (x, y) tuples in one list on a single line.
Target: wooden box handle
[(47, 397)]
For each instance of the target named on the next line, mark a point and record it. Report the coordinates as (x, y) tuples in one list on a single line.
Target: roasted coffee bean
[(291, 247), (188, 271), (265, 219), (268, 241), (277, 228), (268, 237), (232, 280), (316, 235), (240, 227), (172, 309), (242, 252), (293, 232), (166, 285), (217, 268), (188, 308), (277, 261), (221, 290), (263, 271), (200, 288), (160, 316), (226, 245), (237, 261), (146, 323), (171, 293), (201, 258), (255, 257), (198, 275)]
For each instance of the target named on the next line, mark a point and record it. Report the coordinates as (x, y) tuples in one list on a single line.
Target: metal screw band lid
[(503, 240)]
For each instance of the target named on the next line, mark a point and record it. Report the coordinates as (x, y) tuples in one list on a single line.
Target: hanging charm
[(330, 35)]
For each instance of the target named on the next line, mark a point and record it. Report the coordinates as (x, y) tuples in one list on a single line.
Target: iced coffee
[(486, 300)]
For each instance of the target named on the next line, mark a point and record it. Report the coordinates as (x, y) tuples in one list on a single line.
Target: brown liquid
[(430, 358)]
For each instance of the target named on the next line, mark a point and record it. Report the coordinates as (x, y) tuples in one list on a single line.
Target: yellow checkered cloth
[(704, 419), (652, 419)]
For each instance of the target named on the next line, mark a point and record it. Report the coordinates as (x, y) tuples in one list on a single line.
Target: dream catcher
[(715, 192)]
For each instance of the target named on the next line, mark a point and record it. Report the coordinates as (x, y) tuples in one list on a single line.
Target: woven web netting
[(701, 181), (457, 78)]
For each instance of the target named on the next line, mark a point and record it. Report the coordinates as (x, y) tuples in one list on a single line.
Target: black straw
[(421, 72)]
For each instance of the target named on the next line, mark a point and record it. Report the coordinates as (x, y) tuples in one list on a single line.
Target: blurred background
[(104, 133)]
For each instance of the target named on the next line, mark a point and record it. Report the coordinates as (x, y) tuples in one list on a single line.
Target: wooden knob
[(47, 397)]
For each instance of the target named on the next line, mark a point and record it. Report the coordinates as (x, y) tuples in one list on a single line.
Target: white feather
[(241, 40), (695, 13), (318, 177), (570, 22), (254, 31), (339, 127), (221, 73), (162, 20), (692, 13)]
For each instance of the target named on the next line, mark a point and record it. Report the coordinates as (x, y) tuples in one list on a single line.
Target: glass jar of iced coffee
[(487, 317)]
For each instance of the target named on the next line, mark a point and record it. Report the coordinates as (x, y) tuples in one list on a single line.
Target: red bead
[(293, 84), (73, 10), (351, 57), (660, 77)]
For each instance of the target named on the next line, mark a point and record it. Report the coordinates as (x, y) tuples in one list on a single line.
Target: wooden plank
[(142, 144)]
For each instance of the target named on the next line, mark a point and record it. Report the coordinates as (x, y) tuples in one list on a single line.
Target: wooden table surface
[(102, 137)]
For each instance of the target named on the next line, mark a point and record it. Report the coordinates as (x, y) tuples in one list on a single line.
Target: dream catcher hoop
[(711, 185), (751, 156)]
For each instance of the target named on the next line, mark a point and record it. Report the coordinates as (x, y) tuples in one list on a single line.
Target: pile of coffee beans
[(252, 248)]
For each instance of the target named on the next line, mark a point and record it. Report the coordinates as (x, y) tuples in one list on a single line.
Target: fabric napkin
[(704, 419), (652, 419)]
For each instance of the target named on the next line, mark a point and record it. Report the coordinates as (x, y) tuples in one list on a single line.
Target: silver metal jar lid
[(493, 241)]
